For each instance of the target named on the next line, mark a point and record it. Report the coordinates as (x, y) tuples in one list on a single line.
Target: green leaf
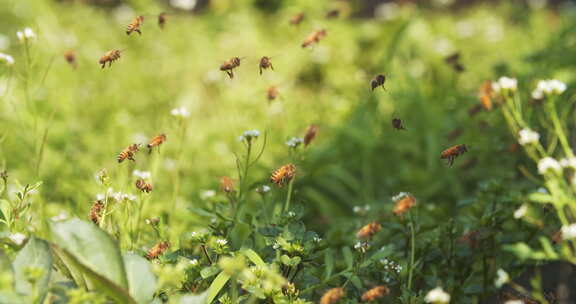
[(209, 271), (194, 299), (254, 257), (216, 285), (548, 249), (240, 234), (348, 256), (141, 279), (539, 197), (34, 256), (5, 209), (92, 247), (329, 262)]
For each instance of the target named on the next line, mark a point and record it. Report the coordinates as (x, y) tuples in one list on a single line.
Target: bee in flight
[(70, 57), (453, 152), (156, 141), (310, 134), (109, 57), (143, 186), (314, 37), (272, 93), (157, 250), (230, 65), (135, 25), (397, 124), (128, 153), (333, 14), (162, 20), (297, 19), (283, 175), (265, 63), (454, 61), (378, 81)]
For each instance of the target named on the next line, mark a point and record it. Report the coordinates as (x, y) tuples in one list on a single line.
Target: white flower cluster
[(207, 194), (361, 209), (362, 246), (249, 135), (294, 142), (117, 196), (291, 214), (222, 242), (528, 136), (505, 83), (568, 162), (502, 278), (437, 296), (548, 87), (548, 164), (521, 212), (194, 262), (317, 239), (142, 174), (17, 238), (180, 112), (25, 35), (568, 232), (400, 196), (514, 302), (263, 189), (183, 4), (390, 266), (9, 60)]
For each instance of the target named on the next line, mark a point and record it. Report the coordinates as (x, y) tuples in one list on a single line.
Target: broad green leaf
[(194, 299), (254, 257), (12, 298), (348, 256), (34, 257), (240, 233), (92, 247), (548, 249), (329, 262), (5, 209), (209, 271), (216, 285), (63, 263), (141, 279), (541, 198)]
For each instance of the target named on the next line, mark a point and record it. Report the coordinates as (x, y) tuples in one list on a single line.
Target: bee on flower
[(157, 250), (283, 175), (368, 231), (403, 202), (226, 184), (332, 296), (26, 35)]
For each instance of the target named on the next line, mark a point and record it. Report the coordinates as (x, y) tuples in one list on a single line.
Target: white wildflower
[(437, 296), (9, 60), (568, 162), (502, 278), (249, 135), (60, 217), (142, 174), (528, 136), (222, 242), (180, 112), (505, 83), (26, 35), (548, 87), (291, 214), (128, 197), (514, 302), (317, 239), (17, 238), (568, 232), (184, 4), (100, 197), (207, 194), (521, 212), (265, 189), (400, 196), (194, 262), (548, 163), (387, 11), (362, 246), (294, 142)]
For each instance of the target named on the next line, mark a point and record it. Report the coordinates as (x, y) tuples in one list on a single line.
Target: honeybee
[(272, 93), (297, 19), (109, 57), (96, 211), (485, 95), (162, 20), (454, 61), (226, 184), (283, 175), (156, 141), (368, 231), (310, 134), (375, 293), (378, 81), (333, 13), (265, 63), (453, 152), (157, 250), (404, 204), (314, 37), (397, 124), (128, 153), (143, 186), (332, 296), (135, 25), (70, 57), (230, 65)]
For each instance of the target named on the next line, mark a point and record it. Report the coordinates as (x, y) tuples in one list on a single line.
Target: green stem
[(289, 196), (559, 129), (412, 250)]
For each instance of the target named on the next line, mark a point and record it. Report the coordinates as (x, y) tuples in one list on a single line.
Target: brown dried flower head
[(283, 175), (375, 293), (368, 231), (332, 296), (404, 201)]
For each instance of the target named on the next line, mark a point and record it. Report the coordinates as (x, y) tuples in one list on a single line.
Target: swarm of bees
[(157, 250), (156, 141), (314, 37), (143, 185), (135, 25), (128, 153), (265, 63), (230, 65), (378, 81), (451, 153), (283, 175), (109, 57)]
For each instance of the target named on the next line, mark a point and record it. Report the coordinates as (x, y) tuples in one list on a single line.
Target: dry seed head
[(368, 231), (375, 293), (283, 175), (404, 204), (332, 296)]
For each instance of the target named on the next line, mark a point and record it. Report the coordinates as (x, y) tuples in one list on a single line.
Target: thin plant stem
[(412, 250), (289, 195), (560, 130)]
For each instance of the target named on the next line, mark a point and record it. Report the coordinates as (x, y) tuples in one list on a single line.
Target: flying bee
[(265, 63), (368, 231), (474, 109), (333, 13), (283, 175), (297, 19), (397, 124), (128, 153), (156, 141), (70, 57), (453, 152), (378, 81), (109, 57), (272, 93), (485, 95), (143, 185), (310, 134), (96, 211), (135, 25), (162, 20), (403, 204), (230, 65), (314, 37), (157, 250), (454, 61)]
